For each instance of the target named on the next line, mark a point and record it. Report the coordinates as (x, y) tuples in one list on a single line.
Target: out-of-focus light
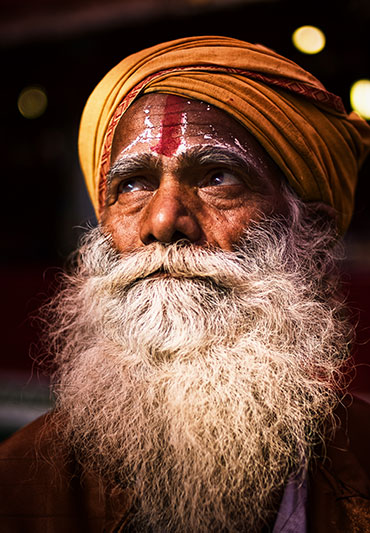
[(309, 39), (32, 102), (360, 98)]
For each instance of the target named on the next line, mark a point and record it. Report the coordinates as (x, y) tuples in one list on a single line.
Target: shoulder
[(339, 488), (352, 436), (23, 439), (18, 454), (41, 488)]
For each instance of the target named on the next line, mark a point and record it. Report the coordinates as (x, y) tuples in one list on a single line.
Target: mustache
[(180, 260)]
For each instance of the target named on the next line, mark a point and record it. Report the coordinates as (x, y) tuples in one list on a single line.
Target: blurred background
[(53, 52)]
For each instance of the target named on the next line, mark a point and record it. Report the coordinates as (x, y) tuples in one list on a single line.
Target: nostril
[(179, 236), (175, 237), (149, 239)]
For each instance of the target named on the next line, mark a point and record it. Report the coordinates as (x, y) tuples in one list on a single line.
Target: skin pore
[(183, 169)]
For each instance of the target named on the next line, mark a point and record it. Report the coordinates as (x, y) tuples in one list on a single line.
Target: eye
[(133, 185), (221, 177)]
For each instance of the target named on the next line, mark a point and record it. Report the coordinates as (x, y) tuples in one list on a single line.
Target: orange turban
[(304, 128)]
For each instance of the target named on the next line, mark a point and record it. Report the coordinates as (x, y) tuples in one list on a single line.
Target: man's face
[(183, 169)]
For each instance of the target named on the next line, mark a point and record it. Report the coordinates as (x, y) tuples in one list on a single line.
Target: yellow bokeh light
[(309, 39), (32, 102), (360, 98)]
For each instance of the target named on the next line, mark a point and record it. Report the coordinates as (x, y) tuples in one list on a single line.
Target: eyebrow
[(213, 155), (130, 165), (199, 155)]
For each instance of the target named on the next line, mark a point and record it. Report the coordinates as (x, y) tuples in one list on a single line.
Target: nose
[(169, 217)]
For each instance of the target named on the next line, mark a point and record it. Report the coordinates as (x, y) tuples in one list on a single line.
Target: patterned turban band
[(304, 128)]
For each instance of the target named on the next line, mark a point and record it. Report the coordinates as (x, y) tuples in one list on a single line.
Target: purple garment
[(291, 517)]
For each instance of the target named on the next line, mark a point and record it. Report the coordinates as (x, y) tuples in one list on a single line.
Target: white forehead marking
[(147, 120), (249, 152), (183, 128), (239, 145), (146, 135)]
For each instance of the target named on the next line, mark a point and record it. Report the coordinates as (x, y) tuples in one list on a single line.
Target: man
[(201, 343)]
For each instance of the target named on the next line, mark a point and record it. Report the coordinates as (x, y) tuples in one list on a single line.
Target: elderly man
[(201, 345)]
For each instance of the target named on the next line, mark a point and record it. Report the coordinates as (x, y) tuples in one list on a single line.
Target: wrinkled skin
[(183, 169)]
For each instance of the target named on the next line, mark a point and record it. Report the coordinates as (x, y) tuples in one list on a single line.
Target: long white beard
[(202, 389)]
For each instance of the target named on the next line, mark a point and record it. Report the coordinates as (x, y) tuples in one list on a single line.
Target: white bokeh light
[(360, 98), (309, 39)]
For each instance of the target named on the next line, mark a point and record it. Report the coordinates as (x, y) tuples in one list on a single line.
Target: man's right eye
[(133, 185)]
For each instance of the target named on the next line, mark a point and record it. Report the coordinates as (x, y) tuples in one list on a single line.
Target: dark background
[(66, 47)]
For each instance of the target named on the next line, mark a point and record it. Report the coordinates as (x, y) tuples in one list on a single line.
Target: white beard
[(204, 389)]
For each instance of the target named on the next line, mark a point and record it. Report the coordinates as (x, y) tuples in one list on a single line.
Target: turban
[(304, 128)]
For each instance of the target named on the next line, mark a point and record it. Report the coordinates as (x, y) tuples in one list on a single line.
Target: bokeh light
[(32, 102), (360, 98), (309, 39)]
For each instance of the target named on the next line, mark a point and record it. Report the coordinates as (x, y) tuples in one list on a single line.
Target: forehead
[(166, 125)]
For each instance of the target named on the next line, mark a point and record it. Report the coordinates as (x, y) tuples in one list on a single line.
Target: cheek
[(121, 231), (225, 229), (232, 232), (229, 226)]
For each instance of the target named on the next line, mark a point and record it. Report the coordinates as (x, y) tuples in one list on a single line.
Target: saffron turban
[(304, 128)]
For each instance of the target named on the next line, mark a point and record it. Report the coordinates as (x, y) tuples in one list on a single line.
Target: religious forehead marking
[(171, 126)]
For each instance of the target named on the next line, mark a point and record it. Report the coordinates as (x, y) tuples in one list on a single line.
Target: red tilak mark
[(171, 126)]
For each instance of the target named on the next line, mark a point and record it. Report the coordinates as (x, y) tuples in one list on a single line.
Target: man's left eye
[(222, 177)]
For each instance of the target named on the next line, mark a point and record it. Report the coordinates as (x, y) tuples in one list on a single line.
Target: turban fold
[(304, 128)]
